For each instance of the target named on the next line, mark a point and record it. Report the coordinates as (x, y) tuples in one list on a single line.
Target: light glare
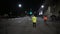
[(42, 6), (40, 13), (20, 5)]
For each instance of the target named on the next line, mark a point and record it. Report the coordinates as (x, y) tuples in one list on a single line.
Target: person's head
[(33, 15)]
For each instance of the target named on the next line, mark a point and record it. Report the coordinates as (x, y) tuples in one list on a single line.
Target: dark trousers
[(34, 24), (45, 22)]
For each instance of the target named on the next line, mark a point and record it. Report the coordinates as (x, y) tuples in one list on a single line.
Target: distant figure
[(45, 19), (53, 17), (34, 20)]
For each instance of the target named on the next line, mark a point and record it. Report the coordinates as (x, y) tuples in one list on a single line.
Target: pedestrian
[(45, 19), (34, 20)]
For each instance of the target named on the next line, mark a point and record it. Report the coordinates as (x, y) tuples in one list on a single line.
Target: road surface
[(24, 25)]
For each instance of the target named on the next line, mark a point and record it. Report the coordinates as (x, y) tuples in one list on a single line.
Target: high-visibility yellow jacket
[(34, 19)]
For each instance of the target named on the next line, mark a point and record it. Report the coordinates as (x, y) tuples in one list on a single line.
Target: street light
[(42, 6), (20, 5)]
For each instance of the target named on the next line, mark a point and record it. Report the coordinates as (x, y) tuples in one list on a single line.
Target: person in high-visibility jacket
[(34, 20)]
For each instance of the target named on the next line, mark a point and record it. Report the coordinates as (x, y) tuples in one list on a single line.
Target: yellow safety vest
[(34, 19)]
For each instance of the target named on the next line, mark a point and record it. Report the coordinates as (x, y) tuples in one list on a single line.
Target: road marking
[(21, 20)]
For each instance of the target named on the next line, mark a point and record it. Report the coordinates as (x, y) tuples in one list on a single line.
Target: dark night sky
[(12, 5)]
